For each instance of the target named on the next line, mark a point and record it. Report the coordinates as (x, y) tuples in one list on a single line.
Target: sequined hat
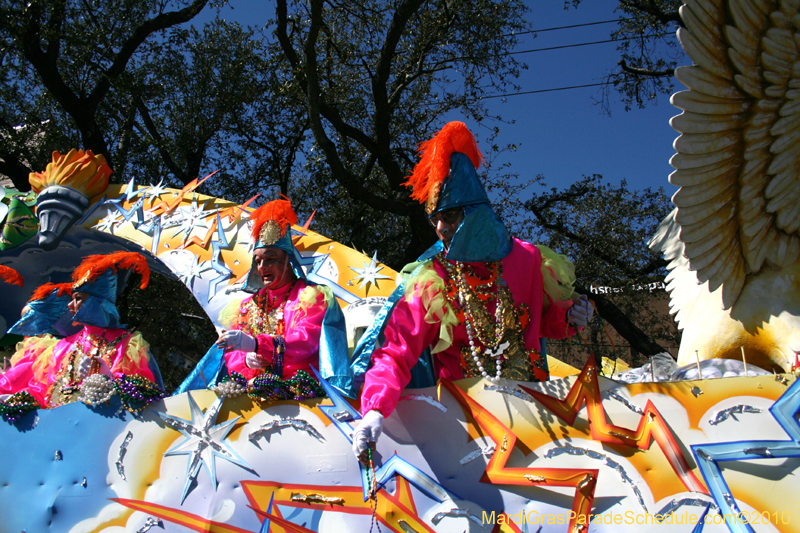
[(46, 312), (272, 227), (446, 178)]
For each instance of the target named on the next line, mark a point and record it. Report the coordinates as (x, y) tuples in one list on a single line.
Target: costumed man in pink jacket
[(289, 325), (58, 371), (479, 299)]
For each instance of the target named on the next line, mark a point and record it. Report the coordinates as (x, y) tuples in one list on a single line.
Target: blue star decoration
[(204, 442), (708, 456), (370, 273), (342, 415), (216, 261)]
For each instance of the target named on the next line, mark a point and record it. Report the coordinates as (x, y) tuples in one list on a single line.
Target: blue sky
[(563, 135)]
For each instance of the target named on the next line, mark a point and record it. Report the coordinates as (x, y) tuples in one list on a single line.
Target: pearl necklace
[(470, 299)]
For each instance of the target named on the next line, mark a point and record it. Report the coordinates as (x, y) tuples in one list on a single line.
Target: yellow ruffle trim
[(137, 354), (41, 347), (558, 275), (428, 285), (310, 296), (229, 314)]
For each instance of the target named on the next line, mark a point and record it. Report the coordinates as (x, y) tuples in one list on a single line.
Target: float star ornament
[(370, 273), (191, 217), (216, 262), (156, 191), (107, 223), (204, 442), (583, 480), (708, 456), (189, 270)]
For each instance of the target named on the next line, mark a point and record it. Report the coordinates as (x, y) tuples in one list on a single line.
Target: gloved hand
[(234, 339), (255, 361), (581, 311), (84, 367), (367, 431)]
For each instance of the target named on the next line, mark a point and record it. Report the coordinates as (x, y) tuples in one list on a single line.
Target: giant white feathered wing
[(738, 155)]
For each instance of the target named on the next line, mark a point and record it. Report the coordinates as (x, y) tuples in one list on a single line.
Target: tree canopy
[(326, 103), (648, 48)]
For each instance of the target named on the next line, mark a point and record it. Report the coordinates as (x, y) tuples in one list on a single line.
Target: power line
[(576, 45), (544, 90), (542, 30)]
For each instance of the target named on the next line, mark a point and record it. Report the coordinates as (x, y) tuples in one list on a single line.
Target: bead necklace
[(472, 292), (265, 316), (67, 380)]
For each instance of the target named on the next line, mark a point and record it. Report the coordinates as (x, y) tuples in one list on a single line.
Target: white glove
[(255, 361), (234, 339), (581, 311), (84, 367), (367, 431)]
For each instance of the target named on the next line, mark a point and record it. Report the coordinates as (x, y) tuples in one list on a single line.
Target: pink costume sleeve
[(407, 334), (548, 319), (126, 361), (20, 377), (555, 324)]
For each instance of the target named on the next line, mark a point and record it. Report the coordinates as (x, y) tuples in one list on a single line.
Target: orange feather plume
[(11, 276), (434, 163), (94, 266), (279, 211), (45, 290)]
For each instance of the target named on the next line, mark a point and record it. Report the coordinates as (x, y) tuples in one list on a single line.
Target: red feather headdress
[(434, 164), (11, 276), (43, 291), (271, 221), (94, 266)]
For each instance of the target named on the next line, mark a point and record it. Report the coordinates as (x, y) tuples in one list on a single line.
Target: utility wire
[(544, 90), (542, 30), (576, 45)]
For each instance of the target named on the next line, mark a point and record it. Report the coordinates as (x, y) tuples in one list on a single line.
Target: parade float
[(581, 452)]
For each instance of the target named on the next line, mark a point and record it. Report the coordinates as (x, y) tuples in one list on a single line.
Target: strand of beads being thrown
[(485, 331)]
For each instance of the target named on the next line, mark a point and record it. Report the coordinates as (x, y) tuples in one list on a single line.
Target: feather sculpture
[(733, 239)]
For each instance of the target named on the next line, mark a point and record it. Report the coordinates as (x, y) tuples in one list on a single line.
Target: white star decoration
[(189, 218), (108, 222), (157, 190), (370, 273), (189, 269), (203, 443)]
